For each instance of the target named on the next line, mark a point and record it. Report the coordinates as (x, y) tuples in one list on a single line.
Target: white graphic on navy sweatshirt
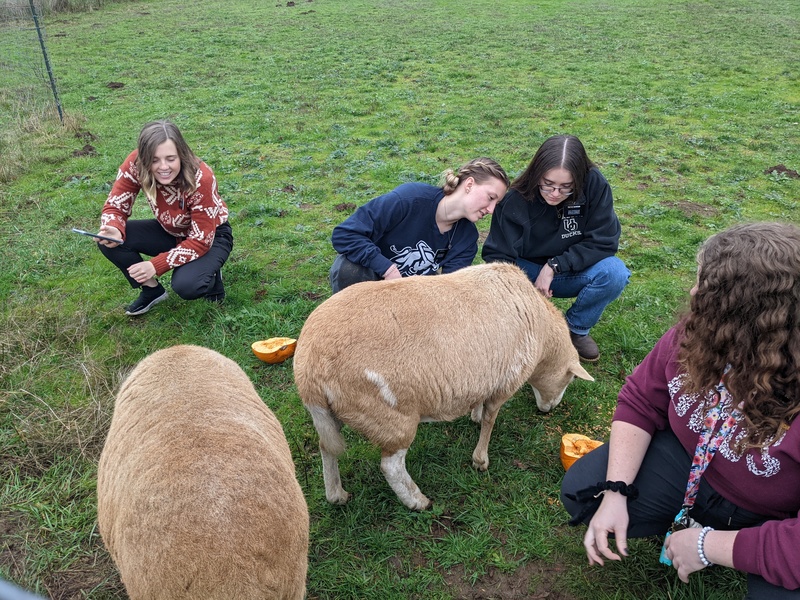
[(417, 260)]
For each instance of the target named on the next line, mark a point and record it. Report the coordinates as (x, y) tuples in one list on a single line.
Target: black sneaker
[(148, 298), (217, 292), (586, 347)]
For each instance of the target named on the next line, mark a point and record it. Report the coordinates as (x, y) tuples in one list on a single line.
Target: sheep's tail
[(329, 429)]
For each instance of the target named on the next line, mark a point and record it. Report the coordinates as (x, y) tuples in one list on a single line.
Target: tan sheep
[(384, 356), (196, 488)]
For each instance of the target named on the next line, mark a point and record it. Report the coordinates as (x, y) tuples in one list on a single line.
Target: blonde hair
[(154, 134), (480, 169)]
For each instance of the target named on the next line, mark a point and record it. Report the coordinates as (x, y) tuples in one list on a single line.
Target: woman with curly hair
[(190, 233), (702, 446), (417, 228)]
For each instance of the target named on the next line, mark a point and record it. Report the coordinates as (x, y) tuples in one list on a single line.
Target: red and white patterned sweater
[(192, 218)]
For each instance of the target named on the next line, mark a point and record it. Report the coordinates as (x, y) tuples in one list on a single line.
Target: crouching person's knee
[(188, 289), (584, 473), (612, 275)]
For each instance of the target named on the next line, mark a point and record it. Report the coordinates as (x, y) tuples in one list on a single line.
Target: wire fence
[(28, 88)]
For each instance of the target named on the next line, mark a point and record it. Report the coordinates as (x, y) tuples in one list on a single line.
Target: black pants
[(193, 280), (662, 484), (345, 273)]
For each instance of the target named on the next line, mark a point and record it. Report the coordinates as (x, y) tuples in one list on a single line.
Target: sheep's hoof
[(339, 498), (480, 465), (421, 503)]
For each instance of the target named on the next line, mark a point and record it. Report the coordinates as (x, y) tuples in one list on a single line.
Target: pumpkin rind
[(274, 350), (575, 445)]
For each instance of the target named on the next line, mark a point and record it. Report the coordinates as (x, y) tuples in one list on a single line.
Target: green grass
[(302, 109)]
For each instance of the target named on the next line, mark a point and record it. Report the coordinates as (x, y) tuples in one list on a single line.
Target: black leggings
[(345, 273), (193, 280), (662, 483)]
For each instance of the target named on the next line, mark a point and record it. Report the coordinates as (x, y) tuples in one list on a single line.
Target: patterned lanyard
[(708, 443)]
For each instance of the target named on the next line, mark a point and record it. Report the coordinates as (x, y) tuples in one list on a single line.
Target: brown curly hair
[(746, 313)]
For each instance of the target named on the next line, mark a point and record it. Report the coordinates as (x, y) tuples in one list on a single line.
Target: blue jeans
[(593, 288)]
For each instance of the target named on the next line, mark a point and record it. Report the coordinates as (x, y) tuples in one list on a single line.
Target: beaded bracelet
[(700, 541)]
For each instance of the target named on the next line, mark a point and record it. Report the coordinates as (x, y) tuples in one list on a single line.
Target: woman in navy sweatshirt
[(417, 228)]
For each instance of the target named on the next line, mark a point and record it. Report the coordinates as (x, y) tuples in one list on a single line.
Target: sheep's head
[(549, 385)]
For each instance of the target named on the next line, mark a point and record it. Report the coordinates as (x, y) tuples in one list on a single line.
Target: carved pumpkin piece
[(575, 445), (274, 350)]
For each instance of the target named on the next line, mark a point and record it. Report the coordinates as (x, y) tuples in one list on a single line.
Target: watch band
[(553, 263)]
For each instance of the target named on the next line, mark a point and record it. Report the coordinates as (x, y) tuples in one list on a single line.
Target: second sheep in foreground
[(196, 489), (384, 356)]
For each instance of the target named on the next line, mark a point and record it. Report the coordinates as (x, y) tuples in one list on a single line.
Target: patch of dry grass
[(44, 357)]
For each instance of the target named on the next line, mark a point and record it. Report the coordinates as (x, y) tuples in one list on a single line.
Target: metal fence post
[(47, 61)]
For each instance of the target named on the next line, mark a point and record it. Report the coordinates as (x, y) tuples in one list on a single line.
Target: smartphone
[(94, 235)]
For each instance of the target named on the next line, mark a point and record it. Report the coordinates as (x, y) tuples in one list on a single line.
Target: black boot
[(217, 291)]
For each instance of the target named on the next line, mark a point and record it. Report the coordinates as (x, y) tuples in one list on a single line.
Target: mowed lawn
[(306, 110)]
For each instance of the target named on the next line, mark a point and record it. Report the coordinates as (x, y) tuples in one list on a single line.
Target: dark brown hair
[(560, 151), (746, 314)]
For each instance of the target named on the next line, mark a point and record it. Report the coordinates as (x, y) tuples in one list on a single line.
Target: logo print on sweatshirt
[(416, 260), (570, 228)]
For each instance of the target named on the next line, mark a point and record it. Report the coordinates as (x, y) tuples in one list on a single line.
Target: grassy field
[(305, 110)]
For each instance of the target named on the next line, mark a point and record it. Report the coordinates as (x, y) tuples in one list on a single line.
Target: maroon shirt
[(766, 482)]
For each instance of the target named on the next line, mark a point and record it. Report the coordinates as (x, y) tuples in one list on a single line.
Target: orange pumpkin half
[(274, 350), (575, 445)]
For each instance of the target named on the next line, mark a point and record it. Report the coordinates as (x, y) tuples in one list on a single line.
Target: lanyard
[(708, 443)]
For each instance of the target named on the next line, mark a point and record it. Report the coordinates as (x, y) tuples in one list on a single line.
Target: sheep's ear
[(580, 372)]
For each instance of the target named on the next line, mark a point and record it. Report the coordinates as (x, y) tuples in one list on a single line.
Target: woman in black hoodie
[(557, 222)]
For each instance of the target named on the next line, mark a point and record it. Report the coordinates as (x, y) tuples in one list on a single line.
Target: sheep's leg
[(394, 469), (480, 457), (331, 445), (334, 491), (477, 413)]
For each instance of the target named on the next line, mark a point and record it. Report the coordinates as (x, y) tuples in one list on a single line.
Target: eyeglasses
[(549, 189)]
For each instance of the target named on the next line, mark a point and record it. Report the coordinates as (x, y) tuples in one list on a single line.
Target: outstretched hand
[(611, 518)]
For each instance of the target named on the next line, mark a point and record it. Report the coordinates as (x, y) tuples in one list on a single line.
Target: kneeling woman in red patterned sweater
[(704, 442), (190, 233)]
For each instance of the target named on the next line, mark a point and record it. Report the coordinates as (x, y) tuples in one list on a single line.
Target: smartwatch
[(553, 264)]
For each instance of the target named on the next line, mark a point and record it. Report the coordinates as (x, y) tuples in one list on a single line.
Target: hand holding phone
[(97, 236)]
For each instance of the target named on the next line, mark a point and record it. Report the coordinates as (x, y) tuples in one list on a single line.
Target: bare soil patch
[(781, 169), (691, 209), (532, 581)]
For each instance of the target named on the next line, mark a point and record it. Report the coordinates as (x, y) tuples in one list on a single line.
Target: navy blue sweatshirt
[(578, 233), (400, 228)]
